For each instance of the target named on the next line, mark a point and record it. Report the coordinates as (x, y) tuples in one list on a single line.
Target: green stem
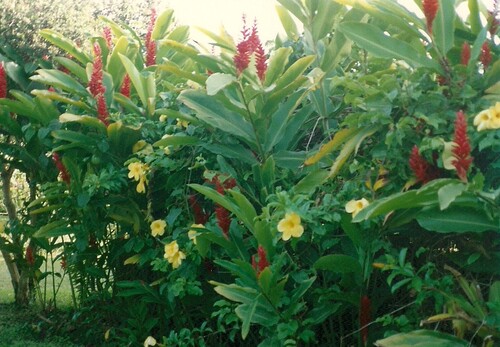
[(262, 154)]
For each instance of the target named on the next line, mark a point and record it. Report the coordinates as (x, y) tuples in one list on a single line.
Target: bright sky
[(212, 14)]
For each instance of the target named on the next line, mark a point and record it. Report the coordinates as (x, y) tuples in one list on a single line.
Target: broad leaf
[(375, 41), (457, 219), (422, 338), (443, 30)]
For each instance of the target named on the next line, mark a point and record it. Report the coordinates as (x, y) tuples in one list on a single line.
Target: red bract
[(430, 8), (3, 82), (419, 165), (260, 265), (249, 45), (108, 37), (200, 217), (62, 169), (364, 317), (485, 57), (223, 220), (465, 56), (461, 150), (95, 84), (149, 42), (125, 88), (102, 110)]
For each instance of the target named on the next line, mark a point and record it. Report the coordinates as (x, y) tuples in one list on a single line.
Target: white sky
[(212, 14)]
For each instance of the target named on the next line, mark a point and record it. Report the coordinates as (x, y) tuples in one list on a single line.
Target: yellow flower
[(182, 123), (158, 227), (290, 226), (489, 118), (136, 170), (150, 341), (167, 150), (354, 206), (193, 233), (173, 255), (163, 118), (141, 186)]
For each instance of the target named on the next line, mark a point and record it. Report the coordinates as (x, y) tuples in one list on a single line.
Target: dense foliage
[(338, 188)]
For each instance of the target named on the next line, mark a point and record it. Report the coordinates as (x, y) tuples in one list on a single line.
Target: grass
[(28, 327)]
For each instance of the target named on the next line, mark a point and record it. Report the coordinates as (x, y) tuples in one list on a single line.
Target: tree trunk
[(21, 290)]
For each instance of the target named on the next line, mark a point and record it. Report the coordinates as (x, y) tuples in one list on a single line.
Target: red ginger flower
[(430, 8), (149, 42), (107, 36), (200, 217), (223, 215), (62, 169), (465, 55), (249, 45), (3, 82), (461, 150), (485, 57), (95, 84), (102, 109), (125, 88), (419, 165), (262, 263)]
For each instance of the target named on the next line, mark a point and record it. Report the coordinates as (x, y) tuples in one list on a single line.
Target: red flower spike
[(62, 169), (419, 165), (125, 88), (95, 83), (465, 55), (249, 45), (200, 217), (106, 31), (149, 42), (485, 57), (430, 8), (263, 263), (3, 82), (364, 317), (223, 220), (30, 257), (102, 109), (461, 150)]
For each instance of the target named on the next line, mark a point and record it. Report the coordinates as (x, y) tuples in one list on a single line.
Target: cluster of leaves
[(202, 185)]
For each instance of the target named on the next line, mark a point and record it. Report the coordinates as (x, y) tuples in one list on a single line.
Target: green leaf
[(294, 71), (135, 78), (351, 146), (114, 65), (339, 138), (75, 68), (338, 263), (309, 183), (215, 114), (288, 23), (457, 219), (448, 194), (443, 30), (280, 120), (53, 229), (422, 338), (425, 196), (66, 45), (60, 80), (474, 16), (42, 93), (277, 64), (375, 41), (162, 24), (218, 81), (84, 120), (188, 75), (177, 140)]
